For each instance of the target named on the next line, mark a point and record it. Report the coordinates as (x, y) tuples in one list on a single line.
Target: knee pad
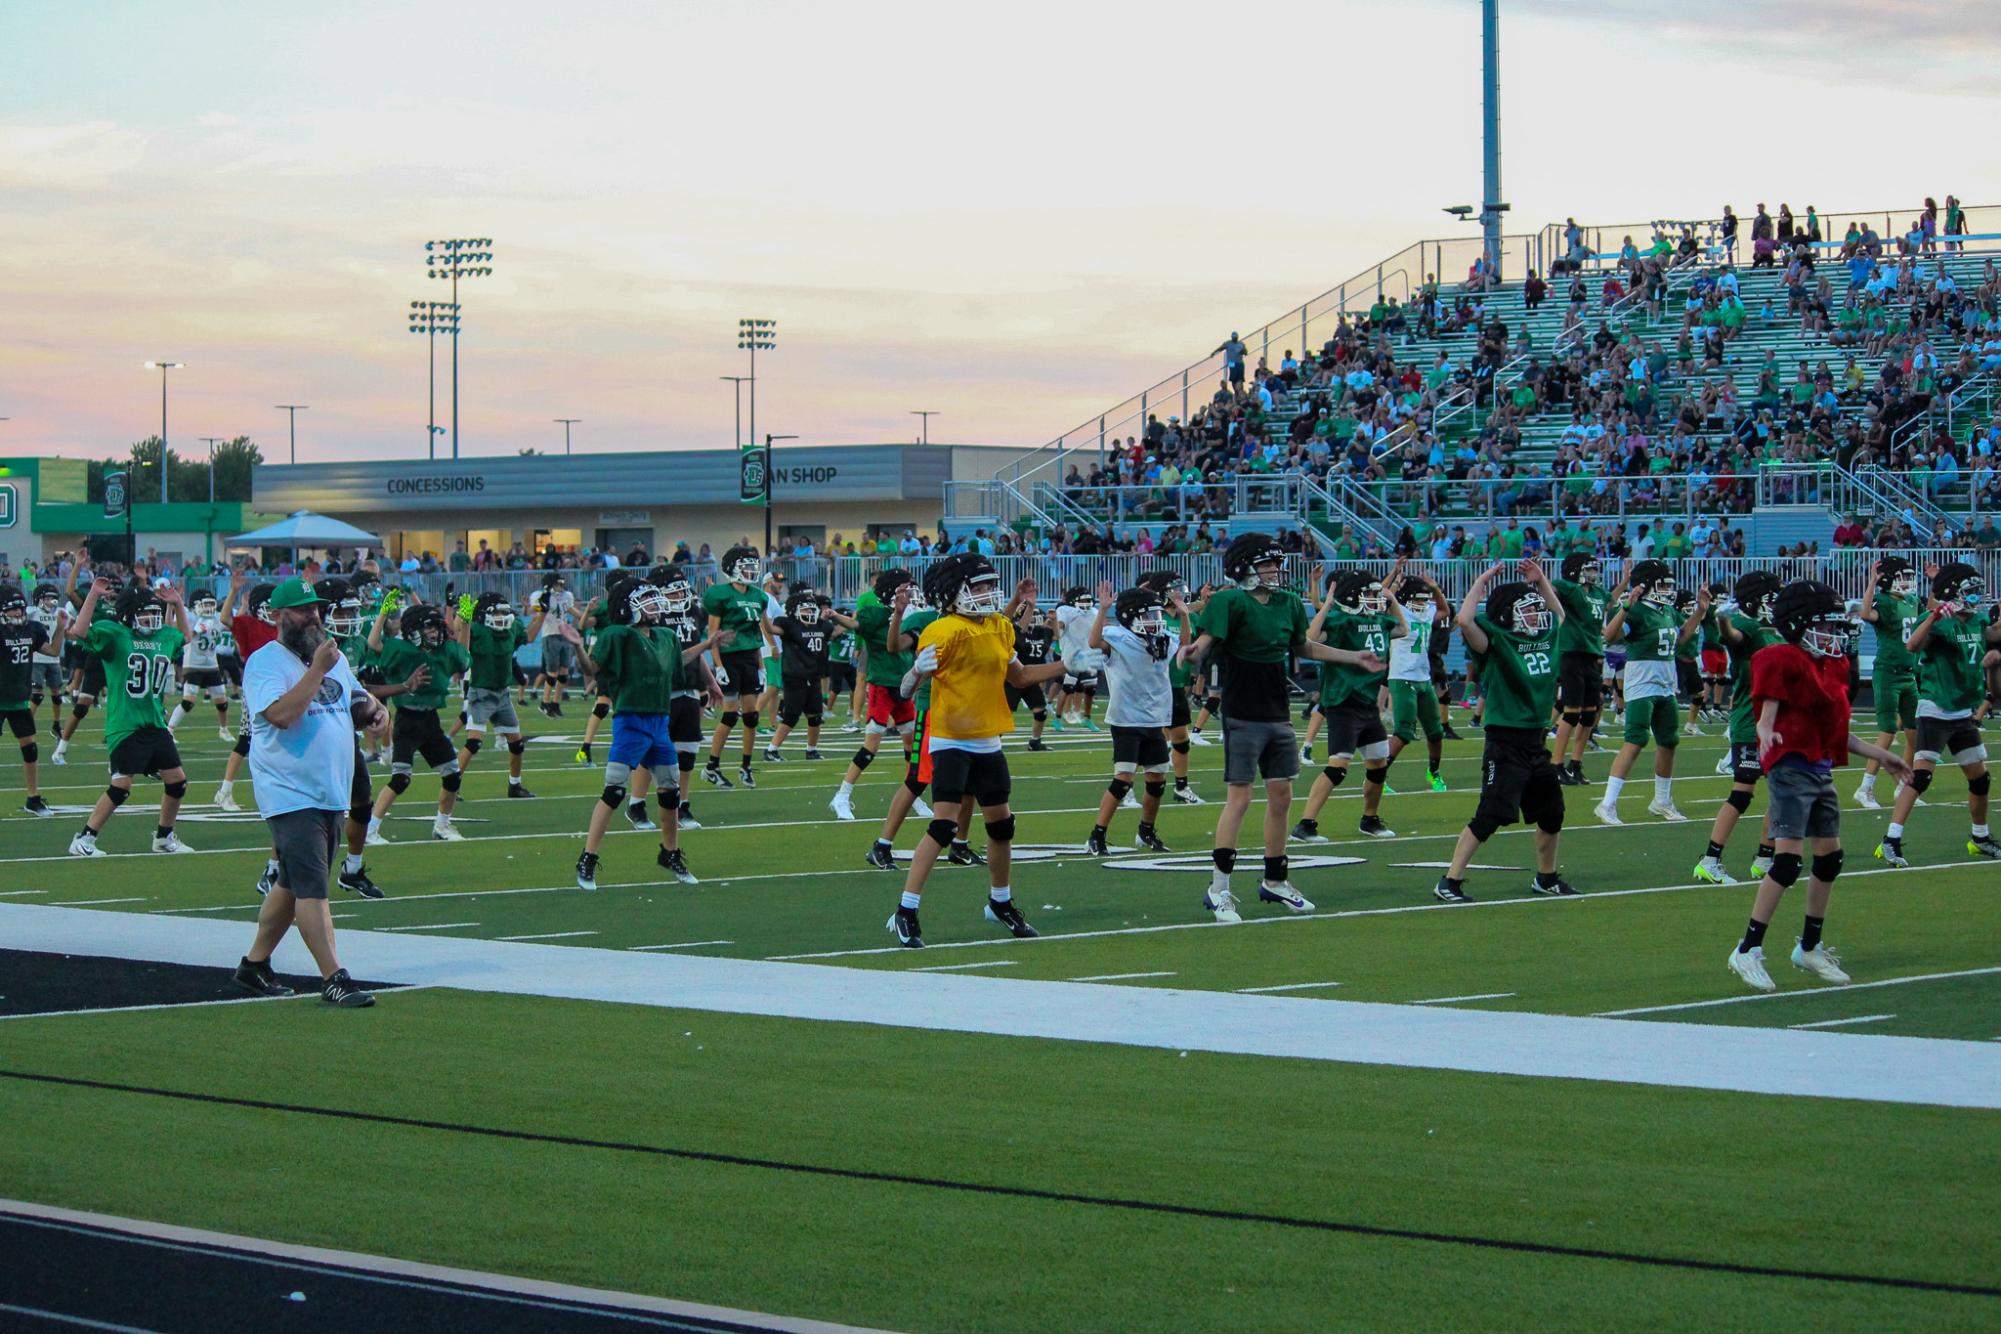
[(750, 719), (788, 719), (1040, 715), (686, 760), (1181, 747), (242, 746), (1119, 787), (1978, 786), (1786, 867), (875, 729), (399, 783), (1589, 717), (1335, 776), (730, 717), (600, 710), (914, 785), (815, 719), (1376, 774), (79, 711), (1156, 788), (31, 752), (462, 718), (1001, 830), (1482, 827), (450, 781), (473, 744), (1827, 865), (864, 758), (361, 814), (1572, 718), (613, 795), (175, 790), (119, 795), (1739, 800), (1920, 780), (35, 699), (942, 832), (517, 747)]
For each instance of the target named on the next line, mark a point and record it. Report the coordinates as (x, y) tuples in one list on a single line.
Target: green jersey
[(1894, 618), (640, 667), (138, 675), (739, 613), (399, 657), (841, 648), (1517, 677), (355, 649), (910, 627), (1181, 675), (1706, 636), (885, 665), (1950, 680), (1583, 628), (492, 655), (1652, 644), (1254, 635), (1754, 636), (1341, 682)]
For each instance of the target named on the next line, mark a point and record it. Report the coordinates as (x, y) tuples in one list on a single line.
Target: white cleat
[(1714, 871), (1284, 893), (84, 845), (1760, 865), (225, 800), (226, 735), (1188, 796), (842, 806), (1865, 797), (170, 842), (921, 809), (444, 831), (375, 838), (1220, 900), (1197, 739), (1607, 813), (1750, 966), (1723, 769), (1665, 810), (1129, 803), (1821, 961), (58, 757)]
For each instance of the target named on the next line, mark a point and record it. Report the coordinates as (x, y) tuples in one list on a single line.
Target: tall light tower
[(1491, 207), (292, 410), (432, 318), (754, 336), (163, 367), (462, 257), (737, 383)]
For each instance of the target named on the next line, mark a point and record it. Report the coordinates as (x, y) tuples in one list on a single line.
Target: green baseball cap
[(295, 593)]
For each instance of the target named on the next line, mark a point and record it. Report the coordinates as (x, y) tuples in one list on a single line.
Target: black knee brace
[(1978, 786), (1119, 787), (730, 717), (79, 711), (1572, 718), (1376, 774), (450, 782), (1156, 787), (913, 784), (1786, 868), (1182, 747), (1739, 799), (864, 758), (399, 783), (175, 790), (473, 744), (31, 752), (242, 746), (1001, 830), (35, 700), (1589, 717), (613, 795), (360, 814), (1334, 775), (119, 795), (686, 759), (1040, 715), (1827, 865), (942, 832), (517, 747), (600, 710), (750, 720), (1920, 780)]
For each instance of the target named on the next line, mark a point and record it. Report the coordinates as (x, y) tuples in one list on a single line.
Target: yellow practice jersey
[(969, 689)]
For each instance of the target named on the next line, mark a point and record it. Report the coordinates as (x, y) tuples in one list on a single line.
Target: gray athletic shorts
[(490, 707), (304, 842), (1803, 804), (558, 655), (1253, 750), (48, 676)]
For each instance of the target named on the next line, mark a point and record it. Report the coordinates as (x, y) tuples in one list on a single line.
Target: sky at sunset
[(1015, 215)]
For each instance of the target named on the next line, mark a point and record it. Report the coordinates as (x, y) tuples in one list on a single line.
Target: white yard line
[(85, 903), (1781, 995), (1289, 986), (15, 893), (684, 945), (1103, 977), (1837, 1023), (429, 926), (960, 967), (1450, 1000), (549, 935)]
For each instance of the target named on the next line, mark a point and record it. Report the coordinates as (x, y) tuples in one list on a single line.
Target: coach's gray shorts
[(1253, 750), (1803, 804), (47, 676), (495, 707), (558, 655), (304, 842)]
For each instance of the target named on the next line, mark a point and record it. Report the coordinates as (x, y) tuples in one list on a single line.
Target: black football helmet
[(494, 611), (1653, 580), (423, 626), (258, 603), (1168, 583), (1359, 593), (741, 565), (964, 585), (48, 597), (1812, 615), (1520, 608), (1253, 560), (803, 607), (1896, 576), (1141, 610), (342, 613), (203, 604), (13, 605), (673, 581), (1960, 584), (1581, 567), (141, 608)]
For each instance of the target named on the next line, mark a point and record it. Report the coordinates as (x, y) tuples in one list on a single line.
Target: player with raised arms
[(1359, 613), (737, 608), (1894, 606), (1580, 687), (1651, 629), (883, 669), (137, 647), (1139, 652)]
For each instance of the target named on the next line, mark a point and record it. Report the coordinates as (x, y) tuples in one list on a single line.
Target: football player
[(1173, 591), (22, 639), (804, 632), (1359, 613), (1034, 639), (739, 623), (342, 615), (555, 606), (597, 614), (1138, 653), (1893, 607), (1581, 684), (490, 633), (1080, 684), (1652, 631), (884, 666), (426, 638), (1413, 696), (48, 611), (200, 668), (136, 649), (86, 683), (1743, 630)]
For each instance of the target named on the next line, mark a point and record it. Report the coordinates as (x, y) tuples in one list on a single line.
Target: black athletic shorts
[(1181, 716), (231, 666), (1580, 682), (1943, 738), (417, 732), (1518, 779), (954, 773), (746, 673), (21, 722), (800, 697), (93, 678), (1141, 747), (1744, 766), (841, 677), (1352, 725), (1032, 696), (148, 751), (1688, 676), (202, 678), (684, 722)]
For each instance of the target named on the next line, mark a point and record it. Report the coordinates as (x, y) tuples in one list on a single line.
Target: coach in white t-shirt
[(303, 703)]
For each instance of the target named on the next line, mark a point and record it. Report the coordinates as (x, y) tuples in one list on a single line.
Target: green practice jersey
[(885, 667), (739, 612), (1517, 677), (1583, 617), (1254, 636), (1755, 635), (138, 675), (355, 649), (399, 657), (1340, 682), (640, 668), (1950, 680), (1894, 618), (912, 625), (492, 655)]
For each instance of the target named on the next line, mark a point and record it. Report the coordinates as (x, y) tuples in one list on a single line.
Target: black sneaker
[(1450, 735), (1566, 778), (713, 776), (1037, 743), (548, 709), (812, 754), (1445, 893), (556, 710), (1372, 826), (904, 924), (1010, 917), (962, 854), (259, 978), (516, 790), (772, 756), (1150, 840), (267, 880), (36, 806), (1308, 831), (340, 990), (881, 856), (671, 860), (746, 777), (1561, 889), (1095, 846), (587, 871), (357, 882)]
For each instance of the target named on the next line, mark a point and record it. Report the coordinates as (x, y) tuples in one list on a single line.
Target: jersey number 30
[(147, 674)]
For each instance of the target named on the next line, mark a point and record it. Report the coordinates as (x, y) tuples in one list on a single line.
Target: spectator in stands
[(1232, 349), (1727, 230)]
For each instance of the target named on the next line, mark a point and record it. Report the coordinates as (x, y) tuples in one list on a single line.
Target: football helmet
[(203, 604), (424, 626), (48, 597), (1080, 597), (141, 608), (803, 607), (1897, 577), (495, 612), (1581, 567), (258, 603), (1167, 583), (1520, 608), (342, 612), (1812, 615), (741, 565), (1254, 560), (964, 585), (1359, 593), (648, 603), (1654, 580), (1960, 584), (1755, 593), (673, 582), (13, 606), (1415, 595), (1142, 611)]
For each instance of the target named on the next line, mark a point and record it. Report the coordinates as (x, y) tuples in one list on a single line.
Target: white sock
[(1894, 831), (374, 823), (441, 821), (1613, 787), (270, 866), (180, 712), (1980, 831), (226, 786), (908, 900), (1868, 783), (62, 742), (1663, 789), (847, 790), (1000, 893), (352, 864)]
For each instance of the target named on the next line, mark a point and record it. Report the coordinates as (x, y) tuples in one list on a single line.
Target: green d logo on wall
[(114, 494), (752, 461), (8, 505)]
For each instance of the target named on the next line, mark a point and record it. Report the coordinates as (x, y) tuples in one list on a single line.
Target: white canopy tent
[(303, 528)]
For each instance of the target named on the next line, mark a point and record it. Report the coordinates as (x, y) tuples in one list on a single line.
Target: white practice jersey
[(1410, 656), (51, 651), (1073, 629), (205, 636)]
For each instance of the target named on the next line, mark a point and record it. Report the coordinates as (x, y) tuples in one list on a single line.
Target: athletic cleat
[(1665, 810), (714, 777), (881, 856), (671, 861), (1750, 966), (842, 806), (1562, 889), (1150, 840), (85, 845), (1865, 797), (1284, 893), (1760, 865), (772, 756), (225, 800), (1306, 754), (908, 933), (357, 882), (1220, 900), (746, 777), (1437, 783), (258, 978), (375, 838), (1445, 893), (340, 990), (1983, 847), (1056, 725), (920, 809), (1714, 871), (1010, 917), (1037, 743), (1095, 846), (587, 871), (1607, 813), (1891, 852), (1195, 738), (518, 792), (1308, 831), (1821, 961), (169, 842), (1091, 726), (641, 821), (267, 880), (444, 831), (1372, 826), (812, 754), (583, 756), (851, 726), (1129, 802), (57, 756), (36, 806), (1723, 766), (962, 854), (1188, 796), (226, 735), (687, 820)]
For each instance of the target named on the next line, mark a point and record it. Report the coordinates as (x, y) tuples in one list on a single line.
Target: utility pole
[(568, 422), (768, 471), (292, 410), (163, 367), (927, 415), (1490, 117)]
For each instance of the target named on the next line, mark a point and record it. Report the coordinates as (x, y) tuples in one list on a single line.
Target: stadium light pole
[(927, 414), (163, 367), (768, 471), (738, 381), (431, 318), (568, 422), (1491, 207), (460, 257), (292, 410), (751, 336), (211, 441)]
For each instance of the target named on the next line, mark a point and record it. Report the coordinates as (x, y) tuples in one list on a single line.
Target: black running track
[(63, 1275)]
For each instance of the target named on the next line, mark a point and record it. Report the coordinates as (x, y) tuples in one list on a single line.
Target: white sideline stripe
[(549, 935), (1837, 1023), (958, 967), (428, 926), (685, 945), (1106, 977), (308, 994), (410, 1274), (1928, 1071), (1289, 986), (11, 893), (84, 903), (1448, 1000), (1781, 995)]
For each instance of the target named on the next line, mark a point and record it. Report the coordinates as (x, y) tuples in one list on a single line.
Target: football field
[(1385, 1111)]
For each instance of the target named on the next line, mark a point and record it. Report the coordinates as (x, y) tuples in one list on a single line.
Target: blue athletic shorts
[(640, 741)]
